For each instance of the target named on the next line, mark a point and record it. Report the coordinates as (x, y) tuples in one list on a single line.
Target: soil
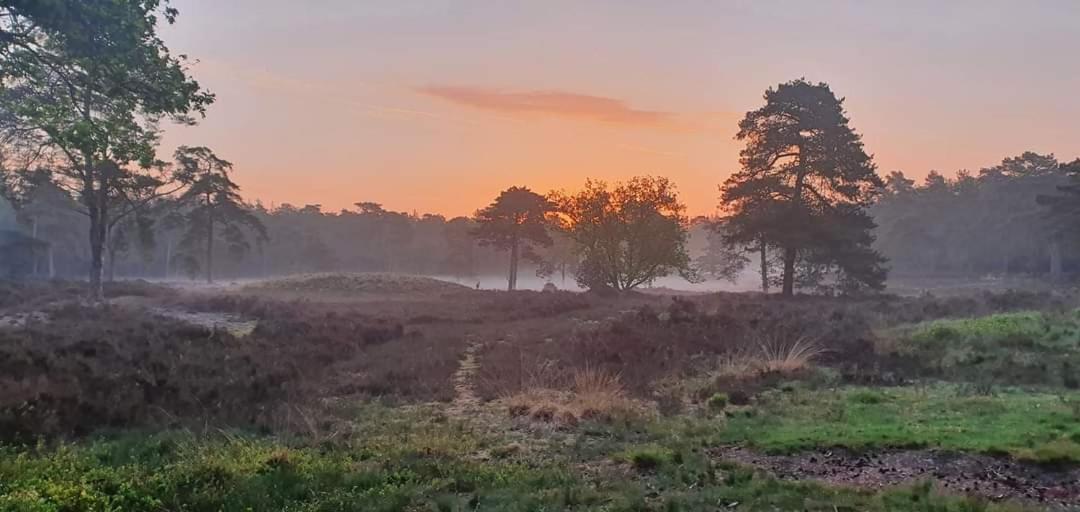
[(994, 478), (465, 402)]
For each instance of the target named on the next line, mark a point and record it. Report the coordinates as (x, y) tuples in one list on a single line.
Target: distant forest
[(972, 225)]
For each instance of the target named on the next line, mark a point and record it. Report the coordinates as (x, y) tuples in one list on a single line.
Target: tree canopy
[(515, 221), (88, 81), (213, 209), (976, 224), (628, 234), (804, 187)]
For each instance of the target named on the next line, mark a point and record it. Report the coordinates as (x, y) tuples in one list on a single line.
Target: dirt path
[(466, 404), (989, 477)]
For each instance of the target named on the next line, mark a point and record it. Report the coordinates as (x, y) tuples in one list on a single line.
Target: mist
[(562, 256)]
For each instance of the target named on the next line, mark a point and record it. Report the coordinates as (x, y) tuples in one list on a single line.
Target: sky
[(434, 106)]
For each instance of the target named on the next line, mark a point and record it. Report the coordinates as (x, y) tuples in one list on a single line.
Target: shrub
[(648, 457), (718, 402), (866, 397)]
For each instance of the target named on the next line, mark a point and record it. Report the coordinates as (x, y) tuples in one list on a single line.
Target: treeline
[(364, 238), (999, 221), (160, 245)]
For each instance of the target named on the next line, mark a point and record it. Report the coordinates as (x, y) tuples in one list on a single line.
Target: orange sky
[(436, 105)]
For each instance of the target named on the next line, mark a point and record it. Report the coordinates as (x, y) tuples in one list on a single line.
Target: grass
[(648, 457), (1010, 348), (397, 460), (400, 461), (781, 356), (1039, 427)]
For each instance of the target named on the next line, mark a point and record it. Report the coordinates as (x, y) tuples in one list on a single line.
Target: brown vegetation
[(592, 395), (85, 367)]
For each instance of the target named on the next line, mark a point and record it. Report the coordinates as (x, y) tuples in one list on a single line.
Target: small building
[(18, 250)]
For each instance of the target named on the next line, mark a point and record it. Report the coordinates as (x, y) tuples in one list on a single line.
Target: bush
[(718, 402), (648, 457)]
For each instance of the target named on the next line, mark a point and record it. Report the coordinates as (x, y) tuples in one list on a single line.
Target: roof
[(12, 238)]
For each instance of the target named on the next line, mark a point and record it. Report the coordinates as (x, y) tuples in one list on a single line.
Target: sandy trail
[(466, 404)]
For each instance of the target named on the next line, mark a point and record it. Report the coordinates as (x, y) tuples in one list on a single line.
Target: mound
[(341, 283)]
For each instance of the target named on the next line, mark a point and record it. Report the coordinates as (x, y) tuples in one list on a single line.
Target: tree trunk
[(790, 252), (36, 256), (789, 272), (764, 267), (52, 265), (97, 243), (512, 278), (1055, 260), (168, 257), (110, 264), (209, 245), (210, 255), (110, 253)]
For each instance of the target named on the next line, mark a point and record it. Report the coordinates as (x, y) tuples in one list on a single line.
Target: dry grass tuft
[(782, 356), (594, 395), (735, 367), (774, 355), (597, 390)]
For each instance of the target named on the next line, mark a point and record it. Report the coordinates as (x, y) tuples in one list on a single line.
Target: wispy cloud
[(554, 103)]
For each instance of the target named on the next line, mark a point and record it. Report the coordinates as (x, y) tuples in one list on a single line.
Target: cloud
[(554, 103)]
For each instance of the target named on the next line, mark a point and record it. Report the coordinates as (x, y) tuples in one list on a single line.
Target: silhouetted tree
[(215, 208), (514, 221), (627, 235), (804, 187)]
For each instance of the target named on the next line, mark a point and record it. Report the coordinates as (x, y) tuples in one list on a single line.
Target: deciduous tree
[(629, 234), (92, 79)]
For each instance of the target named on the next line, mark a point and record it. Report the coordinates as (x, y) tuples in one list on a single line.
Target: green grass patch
[(393, 462), (1040, 427), (414, 461), (1004, 349)]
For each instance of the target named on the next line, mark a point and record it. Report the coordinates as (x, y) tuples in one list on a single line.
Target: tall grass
[(778, 355), (591, 394), (772, 354)]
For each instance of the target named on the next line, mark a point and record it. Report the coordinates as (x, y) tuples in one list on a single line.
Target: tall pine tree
[(514, 222), (804, 188), (214, 208)]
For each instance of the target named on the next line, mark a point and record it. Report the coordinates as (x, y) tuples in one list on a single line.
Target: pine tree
[(214, 208), (804, 188), (517, 218)]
